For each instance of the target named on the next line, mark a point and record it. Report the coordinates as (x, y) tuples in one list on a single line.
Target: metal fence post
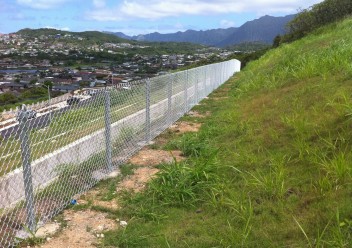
[(27, 170), (205, 81), (147, 111), (108, 130), (185, 86), (196, 88), (169, 97)]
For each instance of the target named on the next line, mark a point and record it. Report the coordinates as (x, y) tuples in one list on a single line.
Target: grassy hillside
[(271, 166), (92, 36)]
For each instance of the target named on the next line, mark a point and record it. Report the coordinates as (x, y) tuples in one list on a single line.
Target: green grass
[(269, 168)]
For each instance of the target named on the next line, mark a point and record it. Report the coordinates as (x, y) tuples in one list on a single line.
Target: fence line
[(46, 161)]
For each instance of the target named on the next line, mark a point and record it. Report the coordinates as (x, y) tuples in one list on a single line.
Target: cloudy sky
[(139, 16)]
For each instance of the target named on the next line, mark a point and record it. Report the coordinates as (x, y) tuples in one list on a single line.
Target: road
[(42, 120)]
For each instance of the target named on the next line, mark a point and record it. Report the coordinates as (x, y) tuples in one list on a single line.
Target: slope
[(92, 36), (263, 30), (271, 165), (208, 37)]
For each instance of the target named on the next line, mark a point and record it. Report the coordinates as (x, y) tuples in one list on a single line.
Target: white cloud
[(41, 4), (227, 24), (157, 9), (99, 3)]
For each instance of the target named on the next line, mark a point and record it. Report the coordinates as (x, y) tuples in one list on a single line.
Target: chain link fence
[(47, 159)]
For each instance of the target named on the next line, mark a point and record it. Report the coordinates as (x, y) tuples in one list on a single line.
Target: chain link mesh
[(48, 160)]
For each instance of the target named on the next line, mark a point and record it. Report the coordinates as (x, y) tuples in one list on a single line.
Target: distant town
[(68, 62)]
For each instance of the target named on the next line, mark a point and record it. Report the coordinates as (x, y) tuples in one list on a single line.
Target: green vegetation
[(160, 48), (271, 167), (88, 36), (317, 16), (9, 100), (245, 58), (249, 46)]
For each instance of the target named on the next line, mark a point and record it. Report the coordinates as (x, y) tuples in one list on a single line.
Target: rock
[(100, 235), (114, 174), (48, 229), (123, 223), (100, 228)]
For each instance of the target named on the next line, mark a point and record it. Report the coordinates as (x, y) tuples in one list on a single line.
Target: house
[(7, 86)]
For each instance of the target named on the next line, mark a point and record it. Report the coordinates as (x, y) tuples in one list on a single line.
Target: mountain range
[(261, 30)]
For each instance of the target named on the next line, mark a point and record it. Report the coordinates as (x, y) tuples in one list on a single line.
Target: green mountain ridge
[(92, 35), (262, 30)]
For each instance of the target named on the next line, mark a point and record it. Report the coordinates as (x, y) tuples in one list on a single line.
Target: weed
[(31, 240), (127, 169), (338, 168), (270, 184)]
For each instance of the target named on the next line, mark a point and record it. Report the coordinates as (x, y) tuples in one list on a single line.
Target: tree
[(307, 20), (33, 81), (48, 83), (277, 41), (8, 98)]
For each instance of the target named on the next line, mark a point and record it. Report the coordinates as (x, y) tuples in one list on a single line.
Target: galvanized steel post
[(169, 98), (108, 130), (27, 169), (147, 111), (196, 90), (185, 86)]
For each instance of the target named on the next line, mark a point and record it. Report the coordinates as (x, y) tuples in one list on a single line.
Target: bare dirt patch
[(150, 157), (147, 158), (82, 230), (184, 127), (197, 114), (138, 180)]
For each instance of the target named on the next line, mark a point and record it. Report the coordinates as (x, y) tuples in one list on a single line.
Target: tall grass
[(270, 166)]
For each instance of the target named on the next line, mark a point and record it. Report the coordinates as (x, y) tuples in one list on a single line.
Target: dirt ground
[(197, 114), (151, 157), (86, 227), (138, 180), (147, 158), (184, 127), (83, 229)]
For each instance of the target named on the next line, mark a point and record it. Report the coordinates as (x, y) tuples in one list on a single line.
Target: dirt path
[(85, 227)]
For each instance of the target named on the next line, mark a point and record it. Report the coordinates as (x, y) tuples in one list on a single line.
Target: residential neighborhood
[(67, 62)]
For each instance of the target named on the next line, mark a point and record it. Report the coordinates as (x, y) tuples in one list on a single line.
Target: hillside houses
[(68, 62)]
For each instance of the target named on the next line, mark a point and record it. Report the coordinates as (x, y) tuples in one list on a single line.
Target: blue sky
[(139, 16)]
